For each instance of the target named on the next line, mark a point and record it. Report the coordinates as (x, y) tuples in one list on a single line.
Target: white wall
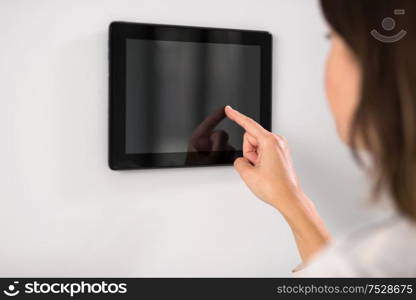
[(64, 213)]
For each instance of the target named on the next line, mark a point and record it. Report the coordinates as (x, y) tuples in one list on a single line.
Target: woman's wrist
[(289, 203)]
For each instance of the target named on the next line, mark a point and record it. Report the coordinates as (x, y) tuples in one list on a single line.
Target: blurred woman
[(371, 90)]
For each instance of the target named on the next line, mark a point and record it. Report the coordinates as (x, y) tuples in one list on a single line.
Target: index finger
[(251, 126)]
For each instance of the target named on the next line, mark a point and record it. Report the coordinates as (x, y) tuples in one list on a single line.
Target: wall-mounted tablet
[(168, 89)]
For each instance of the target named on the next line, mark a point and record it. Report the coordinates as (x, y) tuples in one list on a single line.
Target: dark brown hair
[(384, 122)]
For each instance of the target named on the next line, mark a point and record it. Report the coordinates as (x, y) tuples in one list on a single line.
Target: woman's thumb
[(243, 166)]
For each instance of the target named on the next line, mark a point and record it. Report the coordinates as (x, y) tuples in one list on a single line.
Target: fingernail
[(229, 107)]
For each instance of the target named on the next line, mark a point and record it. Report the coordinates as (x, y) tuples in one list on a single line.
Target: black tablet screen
[(176, 92)]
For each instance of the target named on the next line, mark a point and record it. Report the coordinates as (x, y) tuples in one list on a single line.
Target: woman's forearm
[(308, 229)]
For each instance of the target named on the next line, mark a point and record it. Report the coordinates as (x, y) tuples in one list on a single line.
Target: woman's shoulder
[(384, 249)]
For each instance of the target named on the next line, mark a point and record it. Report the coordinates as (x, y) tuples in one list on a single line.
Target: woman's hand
[(268, 171), (266, 167)]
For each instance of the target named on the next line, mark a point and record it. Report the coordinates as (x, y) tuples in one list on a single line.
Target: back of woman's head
[(381, 35)]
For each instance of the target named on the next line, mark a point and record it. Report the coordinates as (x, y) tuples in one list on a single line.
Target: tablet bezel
[(118, 159)]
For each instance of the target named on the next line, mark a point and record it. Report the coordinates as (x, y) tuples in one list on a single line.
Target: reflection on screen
[(175, 93)]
